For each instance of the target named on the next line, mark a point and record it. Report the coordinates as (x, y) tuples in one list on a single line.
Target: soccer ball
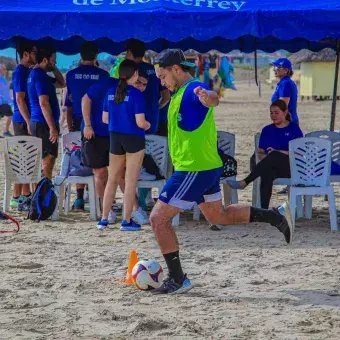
[(147, 274)]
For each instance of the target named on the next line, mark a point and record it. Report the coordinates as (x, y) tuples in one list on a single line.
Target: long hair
[(281, 104), (127, 69)]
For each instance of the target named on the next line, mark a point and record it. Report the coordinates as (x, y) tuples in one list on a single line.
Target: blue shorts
[(183, 189)]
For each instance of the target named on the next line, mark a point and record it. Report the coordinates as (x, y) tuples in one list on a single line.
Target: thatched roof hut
[(302, 56)]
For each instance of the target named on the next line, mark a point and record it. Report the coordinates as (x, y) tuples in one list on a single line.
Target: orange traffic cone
[(132, 261)]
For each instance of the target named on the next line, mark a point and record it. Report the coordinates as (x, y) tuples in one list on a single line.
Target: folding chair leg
[(292, 204), (299, 206), (67, 199), (234, 196), (7, 196), (308, 206), (92, 201), (332, 210), (55, 214), (226, 194), (197, 213), (175, 221)]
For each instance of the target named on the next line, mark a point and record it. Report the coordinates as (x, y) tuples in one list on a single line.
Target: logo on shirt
[(179, 118), (287, 134), (164, 194), (86, 76), (111, 97)]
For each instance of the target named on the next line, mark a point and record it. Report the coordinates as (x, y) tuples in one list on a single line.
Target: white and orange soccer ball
[(147, 274)]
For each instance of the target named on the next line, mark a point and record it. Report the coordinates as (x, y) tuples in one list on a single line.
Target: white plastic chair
[(69, 140), (226, 142), (22, 163), (334, 137), (256, 198), (310, 165)]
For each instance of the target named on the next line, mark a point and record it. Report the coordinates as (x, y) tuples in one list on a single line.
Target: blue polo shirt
[(19, 84), (287, 88), (279, 138), (97, 93), (122, 116), (151, 96), (78, 81), (38, 84)]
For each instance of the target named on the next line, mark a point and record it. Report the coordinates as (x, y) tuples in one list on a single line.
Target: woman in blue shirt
[(286, 88), (273, 152), (124, 111)]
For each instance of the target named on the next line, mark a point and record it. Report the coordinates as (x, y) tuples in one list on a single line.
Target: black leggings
[(275, 165)]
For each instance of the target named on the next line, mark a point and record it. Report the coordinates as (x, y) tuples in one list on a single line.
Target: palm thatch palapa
[(325, 55)]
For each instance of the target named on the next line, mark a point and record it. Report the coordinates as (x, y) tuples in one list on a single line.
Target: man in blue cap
[(286, 88)]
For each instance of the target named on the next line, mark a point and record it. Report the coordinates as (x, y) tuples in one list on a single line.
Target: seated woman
[(273, 152)]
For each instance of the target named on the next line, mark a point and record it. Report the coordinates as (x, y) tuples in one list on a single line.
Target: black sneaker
[(170, 286), (286, 226)]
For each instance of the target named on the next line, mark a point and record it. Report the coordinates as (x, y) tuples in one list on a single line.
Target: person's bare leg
[(48, 165), (26, 189), (117, 164), (100, 178), (133, 164), (8, 123), (17, 189), (122, 188), (160, 218), (280, 218)]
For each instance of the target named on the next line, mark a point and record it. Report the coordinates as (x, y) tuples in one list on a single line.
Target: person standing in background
[(21, 117), (287, 91), (5, 100), (45, 111), (78, 81)]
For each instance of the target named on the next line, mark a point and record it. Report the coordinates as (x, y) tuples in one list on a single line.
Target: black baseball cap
[(172, 57)]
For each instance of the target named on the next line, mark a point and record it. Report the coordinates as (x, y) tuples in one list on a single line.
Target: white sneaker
[(112, 217), (144, 176), (139, 216)]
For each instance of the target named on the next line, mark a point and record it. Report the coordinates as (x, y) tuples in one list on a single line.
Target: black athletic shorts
[(122, 143), (6, 110), (96, 152), (41, 130), (20, 129), (76, 123), (162, 129)]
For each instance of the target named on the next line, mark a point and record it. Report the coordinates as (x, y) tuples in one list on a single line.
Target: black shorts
[(96, 152), (76, 123), (162, 129), (6, 110), (41, 130), (122, 143), (20, 129)]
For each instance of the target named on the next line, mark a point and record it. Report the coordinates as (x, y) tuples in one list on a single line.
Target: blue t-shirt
[(38, 84), (279, 138), (287, 88), (192, 112), (5, 96), (78, 81), (97, 93), (122, 116), (151, 96), (19, 84)]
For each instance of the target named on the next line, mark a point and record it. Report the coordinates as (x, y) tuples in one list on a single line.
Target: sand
[(61, 280)]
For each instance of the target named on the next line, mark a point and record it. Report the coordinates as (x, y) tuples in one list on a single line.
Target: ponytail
[(127, 69), (121, 91)]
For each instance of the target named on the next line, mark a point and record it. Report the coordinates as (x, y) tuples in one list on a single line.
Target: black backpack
[(229, 165), (44, 201)]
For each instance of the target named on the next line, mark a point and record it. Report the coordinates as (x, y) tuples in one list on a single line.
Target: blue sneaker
[(78, 205), (170, 286), (102, 224), (130, 226)]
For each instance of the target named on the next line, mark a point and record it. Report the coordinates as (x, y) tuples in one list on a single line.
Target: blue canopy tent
[(248, 25)]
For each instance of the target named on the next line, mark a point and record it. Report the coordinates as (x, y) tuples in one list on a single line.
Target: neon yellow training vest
[(192, 150)]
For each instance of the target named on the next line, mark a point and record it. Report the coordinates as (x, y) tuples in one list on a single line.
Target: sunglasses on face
[(277, 68)]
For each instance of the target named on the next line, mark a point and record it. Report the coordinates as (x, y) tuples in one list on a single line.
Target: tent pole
[(335, 88), (255, 61)]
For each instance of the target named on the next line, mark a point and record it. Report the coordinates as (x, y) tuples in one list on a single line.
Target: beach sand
[(61, 280)]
